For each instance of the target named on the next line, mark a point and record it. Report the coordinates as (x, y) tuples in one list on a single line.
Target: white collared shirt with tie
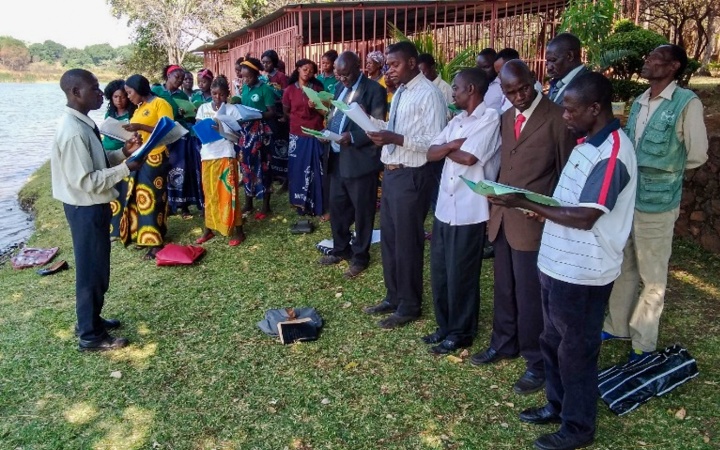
[(420, 115)]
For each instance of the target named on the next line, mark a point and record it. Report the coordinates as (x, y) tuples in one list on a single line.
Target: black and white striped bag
[(624, 387)]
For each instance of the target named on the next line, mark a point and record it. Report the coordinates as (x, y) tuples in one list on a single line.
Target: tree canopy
[(13, 53)]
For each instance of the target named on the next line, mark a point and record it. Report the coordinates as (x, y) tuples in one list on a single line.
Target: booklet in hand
[(325, 134), (206, 131), (187, 106), (165, 133), (314, 96), (491, 188), (114, 128)]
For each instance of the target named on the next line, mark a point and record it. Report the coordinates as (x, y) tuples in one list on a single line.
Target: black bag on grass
[(624, 387)]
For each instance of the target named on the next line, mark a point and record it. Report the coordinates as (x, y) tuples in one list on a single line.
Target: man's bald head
[(517, 70), (347, 68), (348, 59), (517, 83)]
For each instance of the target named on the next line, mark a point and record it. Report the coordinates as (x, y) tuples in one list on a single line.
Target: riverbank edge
[(28, 197)]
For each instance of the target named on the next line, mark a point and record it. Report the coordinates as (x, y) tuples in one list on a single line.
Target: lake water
[(29, 114)]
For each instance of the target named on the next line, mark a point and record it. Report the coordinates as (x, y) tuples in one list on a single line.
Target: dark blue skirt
[(305, 175), (184, 180)]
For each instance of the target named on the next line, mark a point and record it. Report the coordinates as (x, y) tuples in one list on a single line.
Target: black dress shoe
[(110, 324), (103, 345), (55, 268), (558, 441), (540, 416), (448, 346), (529, 383), (489, 356), (434, 338), (395, 321), (384, 307)]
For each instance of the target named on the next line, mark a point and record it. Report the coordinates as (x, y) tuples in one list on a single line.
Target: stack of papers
[(357, 115), (491, 188)]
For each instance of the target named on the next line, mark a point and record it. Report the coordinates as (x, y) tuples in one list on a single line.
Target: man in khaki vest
[(666, 125)]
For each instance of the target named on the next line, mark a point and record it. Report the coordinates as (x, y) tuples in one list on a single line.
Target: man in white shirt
[(563, 62), (580, 257), (486, 62), (428, 67), (417, 115), (84, 181), (469, 147)]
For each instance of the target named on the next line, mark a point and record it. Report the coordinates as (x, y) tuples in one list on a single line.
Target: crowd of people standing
[(617, 194)]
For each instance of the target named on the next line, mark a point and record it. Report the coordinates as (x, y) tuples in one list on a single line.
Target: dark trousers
[(90, 230), (517, 318), (570, 344), (455, 262), (404, 205), (353, 200)]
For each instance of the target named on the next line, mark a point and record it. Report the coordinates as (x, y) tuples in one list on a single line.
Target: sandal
[(150, 255), (325, 217), (237, 241), (260, 216), (205, 237)]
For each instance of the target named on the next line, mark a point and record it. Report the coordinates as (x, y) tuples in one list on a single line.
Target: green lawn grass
[(200, 375)]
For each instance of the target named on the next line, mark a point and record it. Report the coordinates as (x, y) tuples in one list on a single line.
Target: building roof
[(374, 12)]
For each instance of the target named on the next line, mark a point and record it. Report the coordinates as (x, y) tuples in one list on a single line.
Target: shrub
[(624, 26), (625, 90), (638, 43)]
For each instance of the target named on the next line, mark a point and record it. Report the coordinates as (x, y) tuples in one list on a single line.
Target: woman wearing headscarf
[(374, 64), (204, 81), (256, 137), (184, 185), (140, 211)]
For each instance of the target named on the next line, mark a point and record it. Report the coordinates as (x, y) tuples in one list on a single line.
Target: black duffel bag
[(624, 387)]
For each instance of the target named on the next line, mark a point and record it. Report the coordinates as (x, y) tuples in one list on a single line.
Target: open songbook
[(318, 97), (486, 187), (165, 133), (324, 134), (114, 128)]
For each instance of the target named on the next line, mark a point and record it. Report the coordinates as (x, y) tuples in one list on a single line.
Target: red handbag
[(178, 255)]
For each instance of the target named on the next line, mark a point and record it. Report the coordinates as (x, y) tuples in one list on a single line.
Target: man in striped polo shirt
[(580, 257)]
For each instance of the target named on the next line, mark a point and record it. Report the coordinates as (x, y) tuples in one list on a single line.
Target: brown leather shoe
[(353, 271)]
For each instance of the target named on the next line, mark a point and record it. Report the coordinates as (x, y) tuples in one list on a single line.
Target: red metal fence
[(307, 31)]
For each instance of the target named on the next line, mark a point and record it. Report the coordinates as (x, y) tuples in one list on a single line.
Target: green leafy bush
[(625, 26), (626, 90), (638, 43)]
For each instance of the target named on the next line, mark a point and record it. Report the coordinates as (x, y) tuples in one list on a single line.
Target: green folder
[(342, 106), (324, 95), (311, 132), (454, 109), (187, 106), (315, 98), (485, 187)]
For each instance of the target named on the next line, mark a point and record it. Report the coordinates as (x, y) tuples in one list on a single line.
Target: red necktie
[(519, 120)]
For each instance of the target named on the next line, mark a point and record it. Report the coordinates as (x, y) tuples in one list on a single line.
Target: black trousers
[(404, 206), (455, 262), (517, 318), (353, 200), (90, 230), (570, 345)]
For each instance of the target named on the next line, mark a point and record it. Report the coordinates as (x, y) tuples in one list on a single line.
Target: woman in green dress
[(119, 108)]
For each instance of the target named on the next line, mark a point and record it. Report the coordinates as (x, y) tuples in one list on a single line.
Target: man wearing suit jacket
[(535, 146), (354, 165), (563, 61)]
